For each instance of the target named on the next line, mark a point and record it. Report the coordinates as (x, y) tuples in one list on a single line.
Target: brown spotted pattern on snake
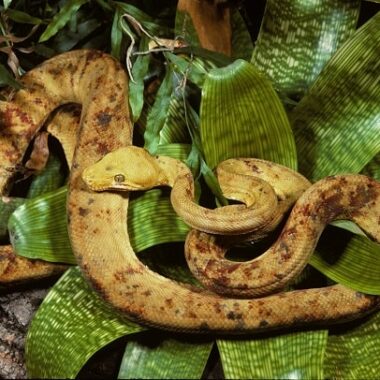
[(99, 234)]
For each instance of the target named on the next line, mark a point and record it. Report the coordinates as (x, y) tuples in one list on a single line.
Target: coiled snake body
[(99, 234)]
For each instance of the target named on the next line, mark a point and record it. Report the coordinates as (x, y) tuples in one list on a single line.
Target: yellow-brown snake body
[(97, 221)]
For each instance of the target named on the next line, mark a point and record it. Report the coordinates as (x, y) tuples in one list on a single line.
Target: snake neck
[(174, 173)]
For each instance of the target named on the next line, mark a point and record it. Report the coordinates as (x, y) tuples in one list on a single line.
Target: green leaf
[(6, 79), (152, 221), (61, 18), (116, 35), (354, 353), (351, 261), (162, 358), (175, 128), (72, 323), (136, 87), (297, 38), (22, 17), (336, 124), (242, 116), (158, 113), (38, 229), (290, 356)]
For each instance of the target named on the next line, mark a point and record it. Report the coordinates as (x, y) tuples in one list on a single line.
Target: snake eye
[(119, 178)]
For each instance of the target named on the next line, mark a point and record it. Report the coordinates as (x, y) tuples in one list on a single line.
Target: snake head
[(129, 168)]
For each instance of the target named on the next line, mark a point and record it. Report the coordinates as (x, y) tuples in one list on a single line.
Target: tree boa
[(97, 220)]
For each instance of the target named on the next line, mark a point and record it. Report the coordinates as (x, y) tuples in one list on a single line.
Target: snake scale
[(97, 220)]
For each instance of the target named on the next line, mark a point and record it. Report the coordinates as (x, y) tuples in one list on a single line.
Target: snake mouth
[(116, 187)]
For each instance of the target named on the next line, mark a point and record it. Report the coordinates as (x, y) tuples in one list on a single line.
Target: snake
[(15, 269), (266, 196), (97, 224)]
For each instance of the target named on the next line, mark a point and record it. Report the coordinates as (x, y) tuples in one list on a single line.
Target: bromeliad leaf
[(296, 40), (62, 18), (353, 353), (337, 123), (242, 116), (291, 356), (351, 261), (76, 317), (162, 358), (146, 230), (38, 228)]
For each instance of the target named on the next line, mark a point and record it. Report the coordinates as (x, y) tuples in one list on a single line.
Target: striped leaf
[(291, 356), (336, 127), (160, 357), (242, 116), (72, 323), (175, 128), (354, 353), (298, 37), (337, 123), (152, 221), (38, 228), (351, 261)]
